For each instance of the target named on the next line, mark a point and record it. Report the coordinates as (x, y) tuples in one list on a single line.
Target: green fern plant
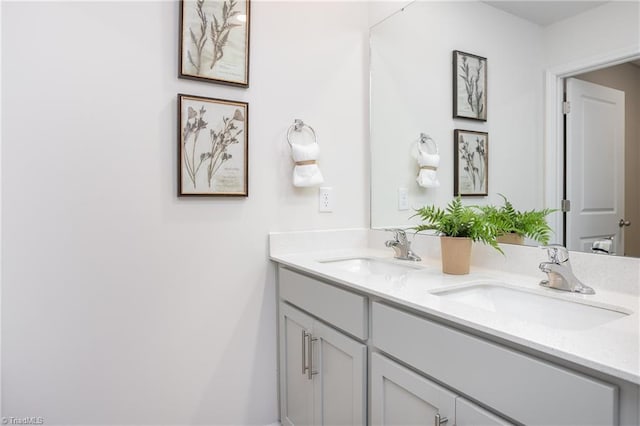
[(458, 220), (531, 224)]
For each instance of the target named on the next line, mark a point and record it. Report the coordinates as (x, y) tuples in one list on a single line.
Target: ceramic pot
[(511, 238), (456, 255)]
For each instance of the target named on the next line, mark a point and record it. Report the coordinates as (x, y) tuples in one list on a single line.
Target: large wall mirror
[(533, 51)]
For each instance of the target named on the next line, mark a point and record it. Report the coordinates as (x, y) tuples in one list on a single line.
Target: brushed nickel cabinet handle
[(310, 372), (439, 421), (304, 352)]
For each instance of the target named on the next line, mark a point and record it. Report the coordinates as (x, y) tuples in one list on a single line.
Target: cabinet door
[(340, 385), (296, 389), (401, 397), (469, 414)]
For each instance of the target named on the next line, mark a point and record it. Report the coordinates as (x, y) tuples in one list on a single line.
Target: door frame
[(554, 129)]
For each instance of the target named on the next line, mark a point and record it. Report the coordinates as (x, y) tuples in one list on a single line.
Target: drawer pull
[(304, 352), (310, 372), (439, 421)]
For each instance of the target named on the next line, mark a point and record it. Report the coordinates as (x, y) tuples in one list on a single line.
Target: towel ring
[(297, 126), (424, 140)]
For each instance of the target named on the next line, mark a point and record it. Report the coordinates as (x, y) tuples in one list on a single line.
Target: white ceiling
[(543, 12)]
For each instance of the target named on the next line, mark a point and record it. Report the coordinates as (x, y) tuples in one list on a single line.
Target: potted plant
[(458, 226), (514, 225)]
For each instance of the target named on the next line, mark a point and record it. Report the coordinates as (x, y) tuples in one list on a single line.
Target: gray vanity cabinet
[(297, 388), (508, 381), (401, 397), (422, 371), (469, 414), (323, 372), (342, 378)]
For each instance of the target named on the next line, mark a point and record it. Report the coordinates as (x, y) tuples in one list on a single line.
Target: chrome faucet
[(401, 245), (559, 271), (603, 246)]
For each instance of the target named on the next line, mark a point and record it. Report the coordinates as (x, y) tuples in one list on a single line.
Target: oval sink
[(529, 306), (372, 266)]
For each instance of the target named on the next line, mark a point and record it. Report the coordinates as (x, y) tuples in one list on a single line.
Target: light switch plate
[(403, 199)]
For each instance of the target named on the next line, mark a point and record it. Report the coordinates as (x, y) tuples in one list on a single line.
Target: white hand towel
[(306, 172), (427, 176)]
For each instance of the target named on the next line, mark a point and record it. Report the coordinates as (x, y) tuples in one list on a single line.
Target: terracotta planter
[(511, 238), (456, 255)]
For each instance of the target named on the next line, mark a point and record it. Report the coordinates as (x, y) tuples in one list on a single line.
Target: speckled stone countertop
[(611, 347)]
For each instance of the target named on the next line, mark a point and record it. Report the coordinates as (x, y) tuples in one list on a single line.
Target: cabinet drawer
[(469, 414), (341, 308), (522, 387)]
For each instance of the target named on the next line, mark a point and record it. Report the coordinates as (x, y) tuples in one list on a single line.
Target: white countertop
[(612, 348)]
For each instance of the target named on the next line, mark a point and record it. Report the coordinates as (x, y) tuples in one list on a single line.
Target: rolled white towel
[(306, 171), (427, 175)]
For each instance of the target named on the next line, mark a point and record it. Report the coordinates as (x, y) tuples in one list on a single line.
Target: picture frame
[(470, 163), (213, 147), (469, 86), (214, 41)]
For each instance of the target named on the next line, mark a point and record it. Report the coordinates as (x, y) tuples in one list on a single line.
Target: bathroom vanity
[(366, 339)]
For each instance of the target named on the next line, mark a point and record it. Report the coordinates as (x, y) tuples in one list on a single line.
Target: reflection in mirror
[(412, 88), (605, 107)]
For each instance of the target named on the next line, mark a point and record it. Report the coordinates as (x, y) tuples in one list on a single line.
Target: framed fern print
[(214, 41), (213, 145), (470, 163), (469, 86)]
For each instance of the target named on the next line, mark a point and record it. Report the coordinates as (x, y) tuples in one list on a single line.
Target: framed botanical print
[(214, 41), (213, 145), (470, 163), (469, 86)]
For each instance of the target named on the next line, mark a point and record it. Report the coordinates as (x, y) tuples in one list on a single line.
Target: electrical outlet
[(403, 199), (325, 199)]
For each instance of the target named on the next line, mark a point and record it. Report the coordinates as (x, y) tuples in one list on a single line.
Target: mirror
[(412, 91)]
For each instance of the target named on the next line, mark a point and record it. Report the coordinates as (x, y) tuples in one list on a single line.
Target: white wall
[(598, 37), (121, 303), (381, 10), (598, 32), (412, 93)]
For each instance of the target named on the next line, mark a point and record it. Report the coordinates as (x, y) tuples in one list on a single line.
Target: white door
[(341, 382), (594, 165), (400, 397)]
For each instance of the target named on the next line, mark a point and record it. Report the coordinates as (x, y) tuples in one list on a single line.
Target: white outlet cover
[(325, 199)]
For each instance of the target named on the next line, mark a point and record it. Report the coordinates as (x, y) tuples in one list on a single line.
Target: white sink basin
[(534, 307), (372, 266)]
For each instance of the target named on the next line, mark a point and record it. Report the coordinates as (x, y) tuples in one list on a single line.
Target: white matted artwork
[(471, 163), (214, 41), (212, 147), (469, 86)]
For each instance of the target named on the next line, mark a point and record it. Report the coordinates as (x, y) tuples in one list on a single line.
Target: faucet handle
[(398, 234), (603, 246), (557, 253)]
